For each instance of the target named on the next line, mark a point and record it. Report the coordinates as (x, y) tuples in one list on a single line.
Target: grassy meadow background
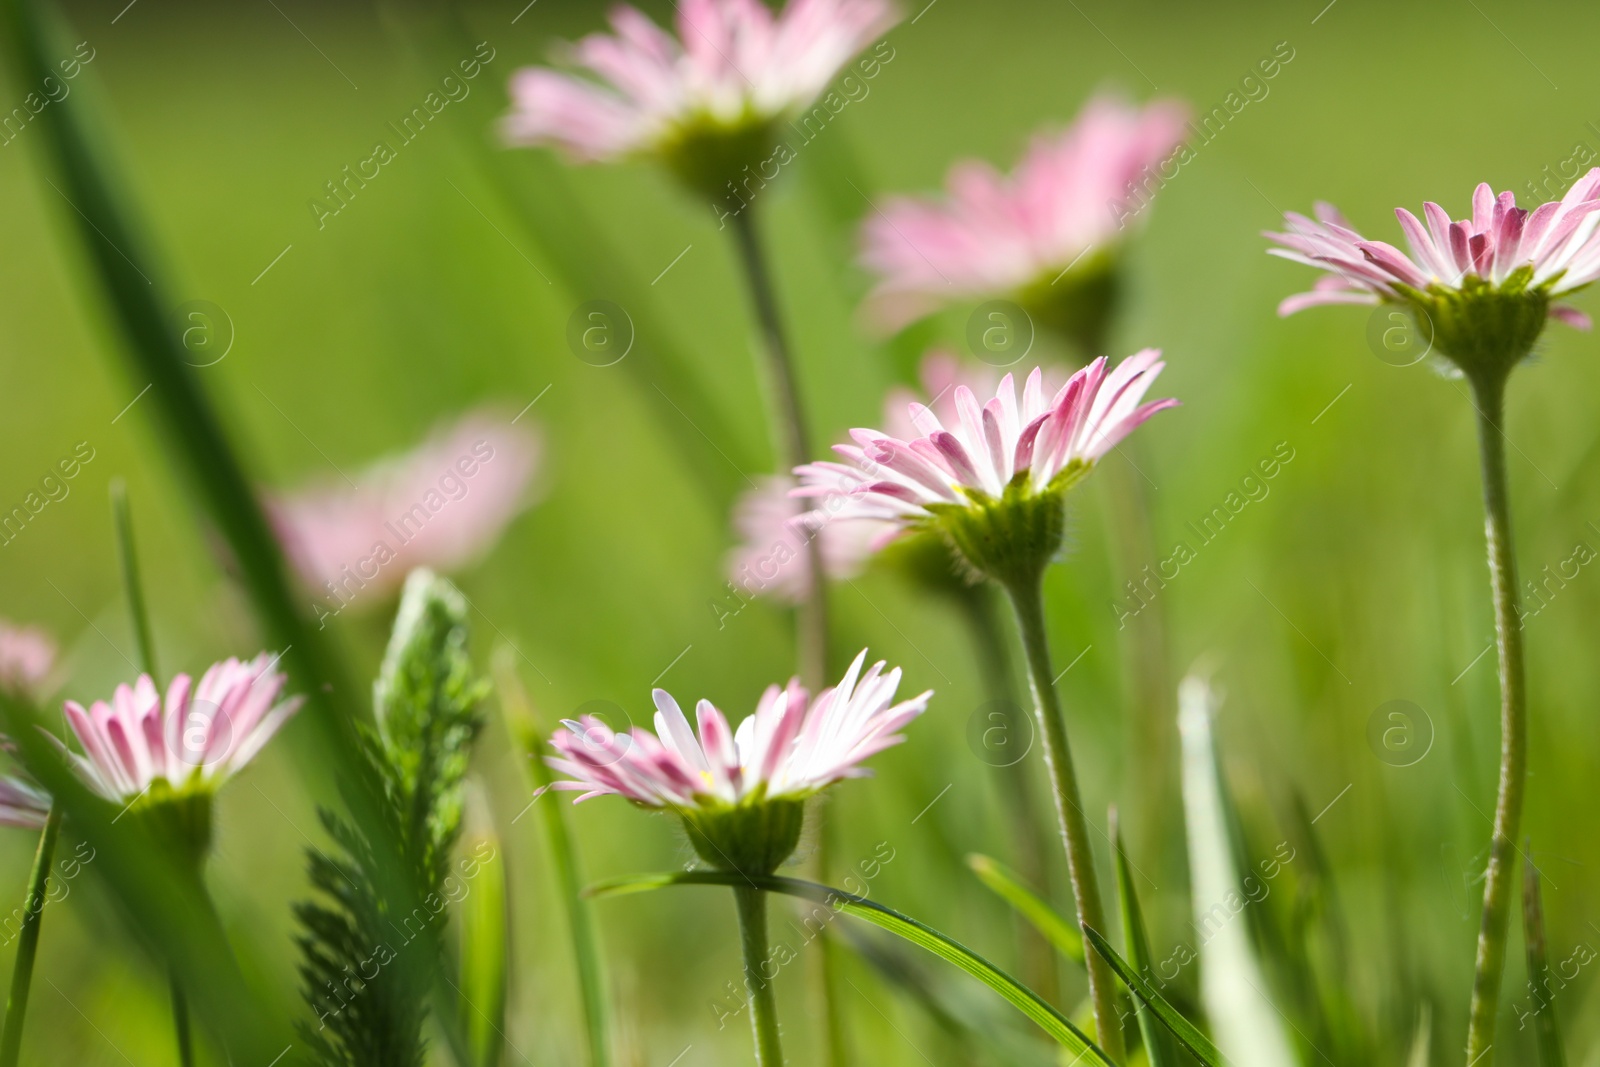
[(1358, 579)]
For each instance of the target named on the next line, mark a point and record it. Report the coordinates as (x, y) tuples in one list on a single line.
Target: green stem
[(1027, 599), (1499, 880), (1030, 837), (794, 446), (763, 1004), (28, 941), (180, 1023), (122, 521)]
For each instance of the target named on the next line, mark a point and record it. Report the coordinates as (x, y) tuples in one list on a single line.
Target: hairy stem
[(763, 1004), (28, 941), (1500, 879), (1027, 598), (794, 446), (1030, 836)]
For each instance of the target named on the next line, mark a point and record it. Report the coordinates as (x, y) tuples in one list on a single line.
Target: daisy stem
[(763, 1004), (1027, 599), (122, 520), (180, 1021), (794, 446), (28, 941), (1500, 878)]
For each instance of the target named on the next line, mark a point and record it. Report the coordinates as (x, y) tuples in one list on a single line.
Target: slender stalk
[(180, 1020), (763, 1003), (1500, 879), (1027, 599), (794, 447), (563, 858), (122, 520), (1030, 837), (138, 611), (28, 941)]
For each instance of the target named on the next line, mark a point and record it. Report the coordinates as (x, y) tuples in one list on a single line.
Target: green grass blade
[(1157, 1041), (1185, 1031), (28, 941), (485, 951), (563, 860), (1025, 1000), (127, 557), (1546, 1032), (1005, 884)]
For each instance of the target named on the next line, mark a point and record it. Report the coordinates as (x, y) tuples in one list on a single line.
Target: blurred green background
[(1358, 580)]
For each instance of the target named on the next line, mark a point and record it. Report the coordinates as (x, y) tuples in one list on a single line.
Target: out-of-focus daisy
[(707, 101), (23, 804), (26, 655), (441, 505), (771, 558), (1482, 287), (994, 481), (173, 755), (1044, 236), (740, 791)]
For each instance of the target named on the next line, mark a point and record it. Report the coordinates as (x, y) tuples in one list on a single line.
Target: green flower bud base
[(751, 838)]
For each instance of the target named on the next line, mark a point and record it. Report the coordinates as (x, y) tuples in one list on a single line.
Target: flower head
[(740, 791), (1064, 208), (1481, 288), (772, 557), (995, 480), (441, 505), (706, 101), (192, 742), (26, 655), (22, 804)]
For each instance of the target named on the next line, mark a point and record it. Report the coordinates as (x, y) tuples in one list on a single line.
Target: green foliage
[(369, 1013), (1006, 884)]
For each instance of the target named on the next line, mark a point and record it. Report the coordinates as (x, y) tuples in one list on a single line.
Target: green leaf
[(1005, 884), (1233, 986), (1157, 1041), (1546, 1032), (1049, 1020), (1184, 1030), (485, 949), (1421, 1054)]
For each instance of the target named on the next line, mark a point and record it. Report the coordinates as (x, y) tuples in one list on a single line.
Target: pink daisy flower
[(993, 451), (1545, 253), (1015, 235), (23, 804), (441, 505), (26, 655), (792, 747), (201, 735), (734, 67), (774, 529)]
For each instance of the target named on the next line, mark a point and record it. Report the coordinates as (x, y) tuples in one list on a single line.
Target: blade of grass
[(1005, 884), (563, 859), (122, 261), (132, 587), (1185, 1031), (1546, 1032), (1157, 1041), (28, 941), (1025, 1000)]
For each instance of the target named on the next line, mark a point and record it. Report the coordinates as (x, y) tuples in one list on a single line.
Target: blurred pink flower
[(1557, 246), (207, 732), (774, 528), (22, 804), (1045, 443), (441, 505), (789, 749), (998, 235), (26, 655), (733, 67)]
